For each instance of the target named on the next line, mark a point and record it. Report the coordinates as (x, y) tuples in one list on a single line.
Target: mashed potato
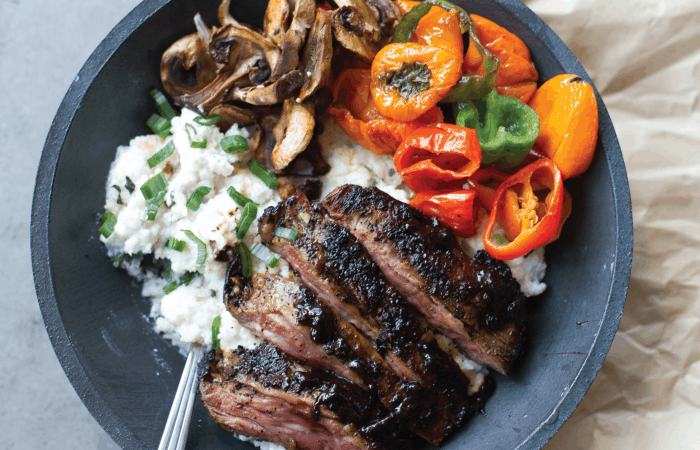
[(185, 315)]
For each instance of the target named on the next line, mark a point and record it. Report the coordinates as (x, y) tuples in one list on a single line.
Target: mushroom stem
[(202, 28)]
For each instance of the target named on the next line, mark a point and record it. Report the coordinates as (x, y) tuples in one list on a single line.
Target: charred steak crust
[(479, 292), (336, 266), (265, 394)]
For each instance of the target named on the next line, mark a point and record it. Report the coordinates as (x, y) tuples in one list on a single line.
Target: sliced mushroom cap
[(387, 14), (318, 53), (186, 67), (353, 33), (293, 132), (290, 184), (224, 13), (231, 44), (231, 114), (286, 87), (303, 18), (276, 20), (289, 37), (368, 17)]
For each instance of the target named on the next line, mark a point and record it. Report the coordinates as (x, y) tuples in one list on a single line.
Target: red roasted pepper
[(454, 209), (354, 110), (539, 221), (438, 158)]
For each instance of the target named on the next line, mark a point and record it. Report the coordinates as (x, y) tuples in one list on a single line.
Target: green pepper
[(507, 128), (408, 23)]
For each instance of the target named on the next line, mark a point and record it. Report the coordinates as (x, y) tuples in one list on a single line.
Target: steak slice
[(338, 269), (290, 316), (267, 395), (474, 301)]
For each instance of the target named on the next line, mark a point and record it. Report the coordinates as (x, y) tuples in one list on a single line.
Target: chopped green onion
[(212, 292), (154, 186), (188, 276), (196, 197), (201, 247), (234, 144), (176, 244), (246, 259), (211, 120), (119, 194), (265, 255), (130, 186), (199, 144), (118, 260), (250, 212), (265, 175), (162, 104), (109, 220), (287, 233), (163, 154), (168, 273), (238, 197), (168, 288), (153, 205), (215, 326), (191, 132), (159, 125), (499, 239)]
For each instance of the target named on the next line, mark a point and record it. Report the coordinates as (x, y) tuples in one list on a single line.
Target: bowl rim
[(43, 277)]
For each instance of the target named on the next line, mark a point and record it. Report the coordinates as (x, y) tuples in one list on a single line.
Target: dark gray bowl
[(126, 374)]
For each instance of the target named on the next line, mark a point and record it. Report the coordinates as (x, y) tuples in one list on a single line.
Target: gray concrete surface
[(43, 44)]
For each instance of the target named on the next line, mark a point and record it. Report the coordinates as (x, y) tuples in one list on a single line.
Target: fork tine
[(172, 416)]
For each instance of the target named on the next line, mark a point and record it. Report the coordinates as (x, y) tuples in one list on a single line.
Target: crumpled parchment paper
[(644, 58)]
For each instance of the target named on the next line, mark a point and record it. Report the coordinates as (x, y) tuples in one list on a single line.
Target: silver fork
[(178, 424)]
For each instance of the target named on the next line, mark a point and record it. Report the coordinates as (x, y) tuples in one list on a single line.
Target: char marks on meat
[(339, 270), (474, 301), (269, 396)]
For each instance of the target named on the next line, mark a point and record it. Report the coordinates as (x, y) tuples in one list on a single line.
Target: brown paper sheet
[(644, 58)]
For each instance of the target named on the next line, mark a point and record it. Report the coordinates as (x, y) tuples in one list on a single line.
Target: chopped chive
[(153, 205), (206, 121), (265, 175), (168, 273), (287, 233), (215, 326), (238, 197), (196, 197), (159, 125), (154, 186), (188, 276), (201, 247), (130, 186), (119, 194), (168, 288), (499, 239), (212, 292), (176, 244), (199, 144), (234, 144), (109, 220), (246, 259), (265, 255), (250, 212), (191, 132), (118, 260), (163, 154), (162, 104)]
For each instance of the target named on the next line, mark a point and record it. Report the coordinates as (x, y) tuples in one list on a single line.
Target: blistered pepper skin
[(454, 209), (444, 72)]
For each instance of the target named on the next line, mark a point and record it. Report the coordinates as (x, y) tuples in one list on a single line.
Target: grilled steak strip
[(267, 395), (338, 269), (476, 302), (290, 316)]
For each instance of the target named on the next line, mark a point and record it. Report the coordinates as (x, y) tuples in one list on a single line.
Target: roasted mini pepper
[(437, 28), (354, 110), (439, 157), (409, 79), (517, 76), (539, 221), (568, 113), (454, 209), (506, 127)]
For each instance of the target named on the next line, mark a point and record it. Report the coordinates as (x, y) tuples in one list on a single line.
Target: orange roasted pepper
[(439, 157), (454, 209), (568, 113), (517, 76), (409, 79), (439, 28), (355, 112), (538, 221)]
